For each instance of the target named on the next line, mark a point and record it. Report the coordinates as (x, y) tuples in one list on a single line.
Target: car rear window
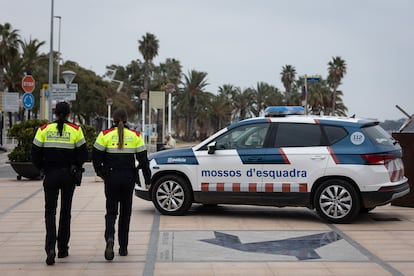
[(378, 135)]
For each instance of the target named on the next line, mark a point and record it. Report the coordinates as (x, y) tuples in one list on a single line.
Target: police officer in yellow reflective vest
[(114, 154), (59, 150)]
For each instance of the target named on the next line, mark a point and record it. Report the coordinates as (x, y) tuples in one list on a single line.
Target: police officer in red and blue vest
[(59, 151), (114, 154)]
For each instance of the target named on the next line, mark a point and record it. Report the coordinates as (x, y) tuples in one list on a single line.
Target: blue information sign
[(313, 79), (28, 100)]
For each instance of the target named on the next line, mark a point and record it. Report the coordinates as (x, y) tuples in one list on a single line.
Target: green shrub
[(24, 133), (90, 135)]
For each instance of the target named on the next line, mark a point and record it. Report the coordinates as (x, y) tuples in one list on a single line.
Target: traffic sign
[(28, 100), (10, 102), (64, 92), (313, 79), (143, 96), (28, 84), (63, 96), (62, 87)]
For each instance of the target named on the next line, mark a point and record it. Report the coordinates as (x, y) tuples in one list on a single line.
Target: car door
[(235, 161), (299, 156)]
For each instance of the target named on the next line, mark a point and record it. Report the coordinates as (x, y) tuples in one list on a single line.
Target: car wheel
[(171, 195), (337, 201)]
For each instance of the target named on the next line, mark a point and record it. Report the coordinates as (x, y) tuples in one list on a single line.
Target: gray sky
[(243, 42)]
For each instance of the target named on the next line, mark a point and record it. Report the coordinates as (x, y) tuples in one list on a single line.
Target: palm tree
[(319, 97), (336, 71), (228, 92), (340, 108), (135, 72), (261, 95), (148, 47), (222, 107), (13, 77), (31, 54), (9, 48), (288, 77), (243, 102), (171, 71), (203, 110), (189, 100)]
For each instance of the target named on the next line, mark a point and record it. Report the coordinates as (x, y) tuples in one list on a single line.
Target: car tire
[(337, 201), (171, 195)]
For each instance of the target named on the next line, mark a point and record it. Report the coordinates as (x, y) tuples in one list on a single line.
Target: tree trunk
[(1, 78), (333, 101)]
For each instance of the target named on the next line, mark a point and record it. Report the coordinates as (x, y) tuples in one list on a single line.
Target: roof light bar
[(279, 111)]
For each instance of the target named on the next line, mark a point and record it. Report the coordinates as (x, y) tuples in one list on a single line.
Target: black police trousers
[(119, 188), (58, 180)]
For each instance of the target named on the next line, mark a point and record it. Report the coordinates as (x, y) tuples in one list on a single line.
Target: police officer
[(114, 154), (58, 149)]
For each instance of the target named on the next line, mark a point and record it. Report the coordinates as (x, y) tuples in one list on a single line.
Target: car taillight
[(378, 158)]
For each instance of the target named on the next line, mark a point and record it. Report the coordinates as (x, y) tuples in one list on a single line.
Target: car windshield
[(379, 136)]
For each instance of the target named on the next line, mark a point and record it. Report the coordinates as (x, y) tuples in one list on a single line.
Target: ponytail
[(120, 119), (120, 135), (60, 123)]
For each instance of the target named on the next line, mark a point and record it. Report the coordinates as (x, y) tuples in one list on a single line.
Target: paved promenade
[(215, 240)]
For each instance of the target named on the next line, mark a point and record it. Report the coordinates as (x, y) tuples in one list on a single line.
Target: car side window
[(298, 135), (334, 133), (243, 137)]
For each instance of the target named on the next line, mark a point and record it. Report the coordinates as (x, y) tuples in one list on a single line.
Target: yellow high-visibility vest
[(107, 140), (47, 136)]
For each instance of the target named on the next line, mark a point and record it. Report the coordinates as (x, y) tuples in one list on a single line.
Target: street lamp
[(143, 96), (169, 89), (68, 77), (58, 58), (109, 103), (50, 115)]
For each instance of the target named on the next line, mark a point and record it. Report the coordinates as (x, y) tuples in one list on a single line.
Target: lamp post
[(58, 58), (169, 89), (50, 115), (143, 96), (109, 103)]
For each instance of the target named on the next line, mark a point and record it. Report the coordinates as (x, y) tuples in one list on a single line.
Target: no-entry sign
[(28, 84)]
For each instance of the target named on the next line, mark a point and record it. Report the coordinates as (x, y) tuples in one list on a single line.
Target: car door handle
[(318, 157)]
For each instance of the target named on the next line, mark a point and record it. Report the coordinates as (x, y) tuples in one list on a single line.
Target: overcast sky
[(242, 42)]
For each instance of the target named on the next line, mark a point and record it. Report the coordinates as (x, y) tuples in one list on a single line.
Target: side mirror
[(211, 148)]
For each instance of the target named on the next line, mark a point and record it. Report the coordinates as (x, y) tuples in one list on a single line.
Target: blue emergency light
[(280, 111)]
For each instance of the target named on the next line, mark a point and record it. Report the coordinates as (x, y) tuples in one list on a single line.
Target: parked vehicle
[(336, 165)]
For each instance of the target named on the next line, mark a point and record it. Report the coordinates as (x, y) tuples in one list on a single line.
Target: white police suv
[(339, 166)]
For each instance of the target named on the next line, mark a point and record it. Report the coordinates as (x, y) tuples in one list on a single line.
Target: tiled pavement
[(221, 240)]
